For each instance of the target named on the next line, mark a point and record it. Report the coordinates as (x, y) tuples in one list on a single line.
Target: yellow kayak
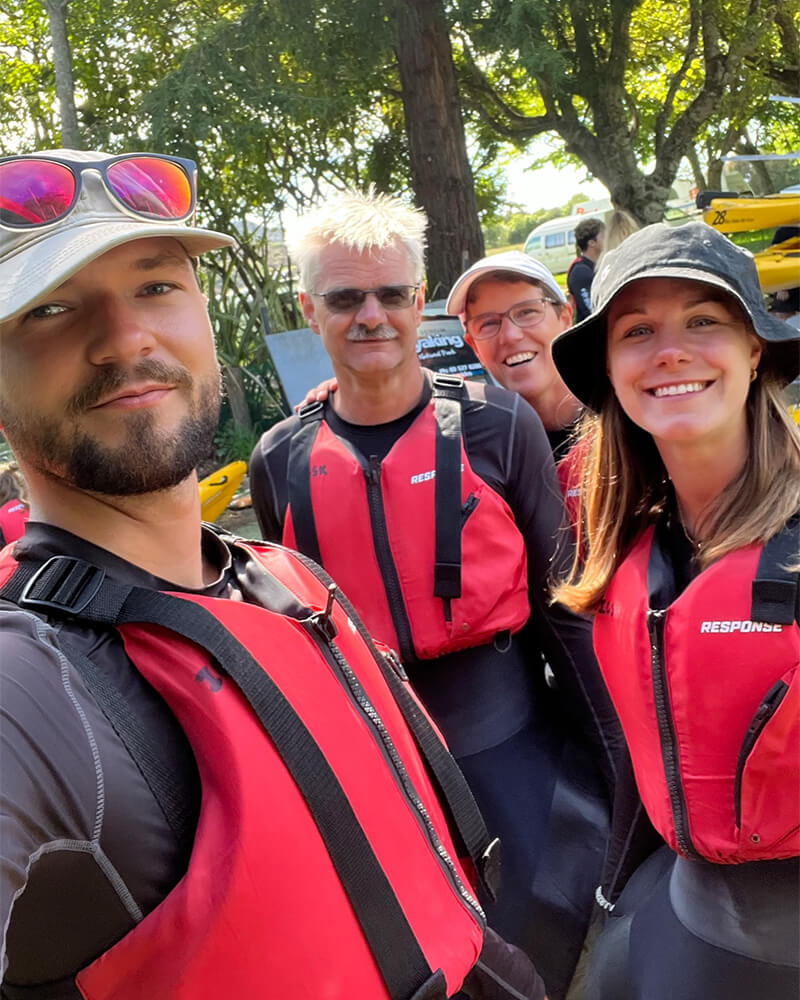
[(217, 490), (779, 266), (741, 215)]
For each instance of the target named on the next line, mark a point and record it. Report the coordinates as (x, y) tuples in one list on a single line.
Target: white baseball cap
[(513, 261)]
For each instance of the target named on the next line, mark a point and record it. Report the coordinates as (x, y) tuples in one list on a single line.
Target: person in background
[(13, 504), (589, 236), (511, 308), (433, 503), (691, 563), (619, 226)]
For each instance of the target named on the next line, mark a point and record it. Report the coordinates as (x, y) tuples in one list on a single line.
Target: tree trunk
[(62, 63), (715, 174), (441, 173), (697, 169), (234, 389)]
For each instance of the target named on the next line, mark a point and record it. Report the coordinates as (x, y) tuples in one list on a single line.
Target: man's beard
[(148, 460)]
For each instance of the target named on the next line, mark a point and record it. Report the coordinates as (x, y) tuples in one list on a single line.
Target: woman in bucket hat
[(690, 556)]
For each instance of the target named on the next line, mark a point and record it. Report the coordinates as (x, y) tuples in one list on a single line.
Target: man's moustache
[(110, 378), (360, 332)]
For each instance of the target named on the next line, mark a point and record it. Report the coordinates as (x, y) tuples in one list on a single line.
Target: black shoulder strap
[(299, 480), (776, 590), (68, 586), (448, 394)]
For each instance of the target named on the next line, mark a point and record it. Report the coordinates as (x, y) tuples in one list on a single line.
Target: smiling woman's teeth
[(517, 359), (679, 390)]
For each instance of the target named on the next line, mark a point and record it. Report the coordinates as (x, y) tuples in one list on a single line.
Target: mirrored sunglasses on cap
[(345, 300), (39, 190)]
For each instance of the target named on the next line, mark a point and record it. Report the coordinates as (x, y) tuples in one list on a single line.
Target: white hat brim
[(49, 260)]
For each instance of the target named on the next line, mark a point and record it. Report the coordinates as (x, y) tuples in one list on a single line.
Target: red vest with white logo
[(494, 586), (261, 911), (710, 704), (13, 518)]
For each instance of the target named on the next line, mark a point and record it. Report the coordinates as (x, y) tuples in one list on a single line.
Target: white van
[(553, 242)]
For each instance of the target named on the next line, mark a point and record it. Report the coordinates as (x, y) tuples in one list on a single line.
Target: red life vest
[(13, 518), (709, 699), (261, 911), (376, 531)]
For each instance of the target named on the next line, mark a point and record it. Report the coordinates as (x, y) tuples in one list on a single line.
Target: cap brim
[(457, 299), (579, 353), (34, 271)]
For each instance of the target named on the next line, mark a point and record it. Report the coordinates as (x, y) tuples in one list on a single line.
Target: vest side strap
[(776, 590), (299, 483), (447, 395)]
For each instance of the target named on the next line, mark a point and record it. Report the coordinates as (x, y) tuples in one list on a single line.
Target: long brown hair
[(624, 486)]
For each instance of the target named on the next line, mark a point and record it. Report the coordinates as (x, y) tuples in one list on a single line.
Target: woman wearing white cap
[(512, 309), (691, 552)]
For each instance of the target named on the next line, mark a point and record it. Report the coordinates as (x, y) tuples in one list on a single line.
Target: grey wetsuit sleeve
[(51, 794), (84, 849)]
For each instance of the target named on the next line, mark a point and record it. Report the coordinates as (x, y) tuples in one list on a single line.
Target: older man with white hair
[(434, 505)]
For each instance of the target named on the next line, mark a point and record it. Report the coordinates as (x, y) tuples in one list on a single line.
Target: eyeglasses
[(348, 300), (523, 314), (37, 191)]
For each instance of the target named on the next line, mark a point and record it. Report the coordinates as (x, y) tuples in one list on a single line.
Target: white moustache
[(360, 332)]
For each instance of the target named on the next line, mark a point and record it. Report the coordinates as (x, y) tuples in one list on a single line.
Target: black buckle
[(447, 381), (311, 411), (447, 386), (63, 584), (491, 863), (447, 579)]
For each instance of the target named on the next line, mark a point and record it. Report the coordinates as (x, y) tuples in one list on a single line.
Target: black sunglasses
[(346, 300)]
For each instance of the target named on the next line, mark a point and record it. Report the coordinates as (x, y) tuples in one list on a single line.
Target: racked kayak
[(741, 215)]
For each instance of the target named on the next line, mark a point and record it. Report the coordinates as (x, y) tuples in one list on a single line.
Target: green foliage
[(281, 101), (628, 86), (234, 443), (247, 300)]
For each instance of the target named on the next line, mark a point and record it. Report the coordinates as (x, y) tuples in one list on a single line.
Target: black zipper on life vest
[(768, 707), (666, 733), (318, 629), (383, 552), (468, 508)]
